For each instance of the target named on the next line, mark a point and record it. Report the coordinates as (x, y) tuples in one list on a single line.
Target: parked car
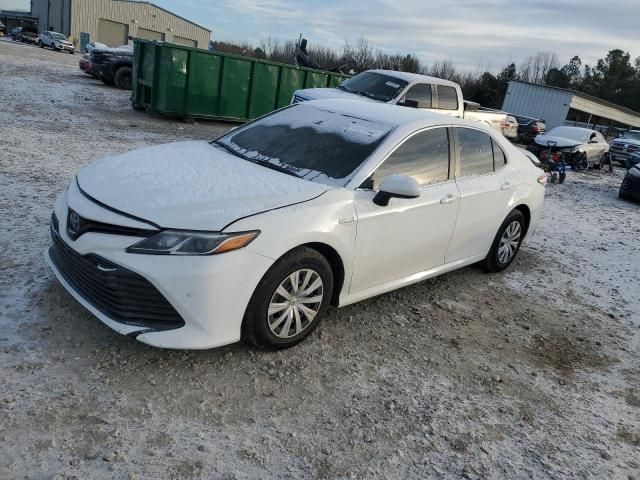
[(407, 89), (200, 244), (15, 33), (56, 41), (630, 188), (581, 148), (625, 146), (113, 66), (529, 128), (27, 36), (3, 29)]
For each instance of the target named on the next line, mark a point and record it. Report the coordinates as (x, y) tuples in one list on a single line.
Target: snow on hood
[(191, 185), (561, 141), (329, 93)]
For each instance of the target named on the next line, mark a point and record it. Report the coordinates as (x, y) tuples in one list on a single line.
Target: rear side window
[(447, 98), (499, 158), (476, 152), (420, 93), (424, 156)]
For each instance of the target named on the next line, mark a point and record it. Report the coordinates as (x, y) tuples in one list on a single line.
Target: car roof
[(386, 113), (415, 77)]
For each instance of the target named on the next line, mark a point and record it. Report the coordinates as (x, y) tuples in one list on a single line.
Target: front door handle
[(506, 186), (448, 199)]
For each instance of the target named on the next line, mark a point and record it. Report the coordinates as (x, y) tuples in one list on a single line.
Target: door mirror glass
[(399, 186)]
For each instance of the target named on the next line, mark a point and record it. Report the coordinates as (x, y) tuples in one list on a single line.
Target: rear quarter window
[(447, 98)]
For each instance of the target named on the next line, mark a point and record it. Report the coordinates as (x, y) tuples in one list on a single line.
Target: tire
[(122, 78), (138, 107), (266, 331), (495, 260), (107, 81), (40, 44)]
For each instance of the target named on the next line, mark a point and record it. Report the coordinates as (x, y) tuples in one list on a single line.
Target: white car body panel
[(380, 248)]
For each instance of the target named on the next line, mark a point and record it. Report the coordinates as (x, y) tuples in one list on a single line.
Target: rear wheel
[(122, 78), (290, 300), (506, 244)]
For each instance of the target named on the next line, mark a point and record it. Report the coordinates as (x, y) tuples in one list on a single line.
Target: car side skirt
[(349, 298)]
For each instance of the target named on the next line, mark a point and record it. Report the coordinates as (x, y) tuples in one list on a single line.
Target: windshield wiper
[(341, 87), (273, 166), (262, 163), (365, 94)]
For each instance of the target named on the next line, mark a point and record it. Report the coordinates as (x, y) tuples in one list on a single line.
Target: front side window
[(308, 142), (420, 93), (476, 152), (447, 98), (423, 156)]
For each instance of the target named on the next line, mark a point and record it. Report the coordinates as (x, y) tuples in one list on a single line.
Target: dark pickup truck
[(113, 65)]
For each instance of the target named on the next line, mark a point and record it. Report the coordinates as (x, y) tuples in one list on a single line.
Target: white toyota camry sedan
[(254, 235)]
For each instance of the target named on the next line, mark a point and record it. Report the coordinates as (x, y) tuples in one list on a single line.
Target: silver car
[(56, 41)]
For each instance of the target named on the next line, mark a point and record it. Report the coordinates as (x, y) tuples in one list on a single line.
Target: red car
[(85, 64)]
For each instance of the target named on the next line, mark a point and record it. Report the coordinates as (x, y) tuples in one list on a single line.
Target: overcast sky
[(471, 33)]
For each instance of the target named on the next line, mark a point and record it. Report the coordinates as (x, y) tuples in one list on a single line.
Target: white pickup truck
[(408, 89)]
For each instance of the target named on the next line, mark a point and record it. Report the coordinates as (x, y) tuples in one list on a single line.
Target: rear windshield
[(308, 142), (374, 85)]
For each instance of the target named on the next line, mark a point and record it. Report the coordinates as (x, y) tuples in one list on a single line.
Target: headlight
[(575, 150), (176, 242)]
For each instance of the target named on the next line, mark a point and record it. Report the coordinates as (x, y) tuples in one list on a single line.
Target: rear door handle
[(448, 199), (506, 186)]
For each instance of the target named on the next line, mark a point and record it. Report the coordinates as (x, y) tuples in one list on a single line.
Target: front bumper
[(209, 293)]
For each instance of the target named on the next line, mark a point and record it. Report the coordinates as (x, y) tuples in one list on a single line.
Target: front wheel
[(40, 44), (122, 78), (289, 301), (506, 244)]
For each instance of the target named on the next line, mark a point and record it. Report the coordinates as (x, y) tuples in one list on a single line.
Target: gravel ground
[(533, 373)]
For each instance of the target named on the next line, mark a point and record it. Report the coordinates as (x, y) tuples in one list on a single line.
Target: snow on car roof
[(384, 112), (416, 77)]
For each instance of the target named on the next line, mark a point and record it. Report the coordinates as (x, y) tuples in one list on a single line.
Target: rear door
[(485, 186), (410, 235)]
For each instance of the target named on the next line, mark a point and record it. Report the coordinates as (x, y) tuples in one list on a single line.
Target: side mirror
[(409, 103), (399, 186)]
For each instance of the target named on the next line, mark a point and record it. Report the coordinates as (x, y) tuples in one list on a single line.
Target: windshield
[(572, 133), (58, 36), (308, 142), (374, 85), (631, 135)]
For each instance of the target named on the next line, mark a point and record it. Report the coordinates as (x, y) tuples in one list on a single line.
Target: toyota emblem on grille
[(74, 222)]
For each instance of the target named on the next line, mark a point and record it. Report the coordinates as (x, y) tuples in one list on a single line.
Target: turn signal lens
[(542, 179), (235, 243)]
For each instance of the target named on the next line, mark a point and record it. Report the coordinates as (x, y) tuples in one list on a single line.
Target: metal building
[(115, 22), (559, 106)]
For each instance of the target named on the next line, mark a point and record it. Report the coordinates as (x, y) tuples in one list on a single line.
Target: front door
[(407, 236)]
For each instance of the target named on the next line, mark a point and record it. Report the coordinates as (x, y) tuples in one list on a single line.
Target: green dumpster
[(181, 81)]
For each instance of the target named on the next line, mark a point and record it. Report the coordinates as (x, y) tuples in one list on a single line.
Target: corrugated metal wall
[(86, 13), (52, 15), (537, 101)]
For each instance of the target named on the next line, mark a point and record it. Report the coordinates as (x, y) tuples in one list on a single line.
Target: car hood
[(562, 142), (191, 185), (329, 93), (628, 141)]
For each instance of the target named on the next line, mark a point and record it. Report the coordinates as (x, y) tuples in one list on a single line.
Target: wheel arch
[(337, 267), (526, 212)]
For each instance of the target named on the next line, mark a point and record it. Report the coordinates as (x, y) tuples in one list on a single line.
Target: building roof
[(585, 96), (165, 10)]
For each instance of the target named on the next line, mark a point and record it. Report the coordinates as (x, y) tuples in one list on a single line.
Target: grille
[(120, 294)]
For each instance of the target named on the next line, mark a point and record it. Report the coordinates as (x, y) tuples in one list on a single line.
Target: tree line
[(615, 77)]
